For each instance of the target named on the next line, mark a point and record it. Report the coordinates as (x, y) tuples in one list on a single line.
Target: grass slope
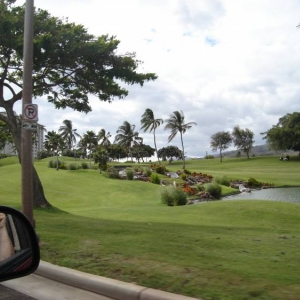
[(217, 250)]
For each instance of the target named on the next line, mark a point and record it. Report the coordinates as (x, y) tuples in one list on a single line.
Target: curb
[(115, 289)]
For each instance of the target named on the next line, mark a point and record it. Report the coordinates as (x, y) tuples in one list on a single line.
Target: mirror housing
[(19, 245)]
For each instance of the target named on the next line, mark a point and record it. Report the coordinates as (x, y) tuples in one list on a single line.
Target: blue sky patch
[(210, 41)]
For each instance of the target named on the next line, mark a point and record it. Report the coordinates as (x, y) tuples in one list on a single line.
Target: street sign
[(29, 125), (30, 112)]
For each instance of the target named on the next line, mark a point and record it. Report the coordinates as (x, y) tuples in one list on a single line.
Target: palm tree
[(150, 123), (69, 134), (176, 124), (89, 142), (103, 138), (53, 142), (127, 137)]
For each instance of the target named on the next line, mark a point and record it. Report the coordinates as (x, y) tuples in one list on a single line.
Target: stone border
[(104, 286)]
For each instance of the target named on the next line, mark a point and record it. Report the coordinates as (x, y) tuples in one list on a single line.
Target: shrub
[(160, 169), (84, 165), (200, 187), (185, 171), (154, 178), (63, 166), (129, 174), (214, 189), (73, 166), (43, 154), (253, 182), (209, 157), (147, 171), (183, 176), (173, 197), (113, 173), (222, 180), (53, 163)]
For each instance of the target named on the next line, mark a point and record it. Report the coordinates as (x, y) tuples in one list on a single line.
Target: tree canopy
[(169, 153), (221, 140), (243, 139), (176, 124), (69, 65), (285, 135), (149, 122)]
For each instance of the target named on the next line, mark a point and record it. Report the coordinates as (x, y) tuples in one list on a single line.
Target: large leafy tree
[(69, 64), (127, 137), (116, 151), (69, 134), (176, 124), (5, 135), (140, 151), (285, 135), (149, 122), (243, 139), (220, 140), (170, 153)]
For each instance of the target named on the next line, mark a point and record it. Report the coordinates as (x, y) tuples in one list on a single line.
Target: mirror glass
[(19, 248)]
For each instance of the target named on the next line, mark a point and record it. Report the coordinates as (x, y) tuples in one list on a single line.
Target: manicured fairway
[(218, 250)]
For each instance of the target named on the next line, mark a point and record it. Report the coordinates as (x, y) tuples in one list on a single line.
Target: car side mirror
[(19, 246)]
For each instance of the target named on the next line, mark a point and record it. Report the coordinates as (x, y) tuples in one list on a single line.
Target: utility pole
[(26, 135)]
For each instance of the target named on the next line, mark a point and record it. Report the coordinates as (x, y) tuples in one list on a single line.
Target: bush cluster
[(185, 171), (213, 189), (200, 187), (129, 174), (183, 176), (63, 166), (147, 171), (173, 196), (159, 169), (84, 165), (73, 166), (54, 163), (253, 182), (154, 178), (222, 180)]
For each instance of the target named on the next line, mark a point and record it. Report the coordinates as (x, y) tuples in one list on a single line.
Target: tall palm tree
[(69, 134), (103, 137), (176, 124), (53, 142), (89, 142), (127, 137), (150, 123)]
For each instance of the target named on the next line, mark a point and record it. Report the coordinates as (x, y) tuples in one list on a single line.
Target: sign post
[(27, 112)]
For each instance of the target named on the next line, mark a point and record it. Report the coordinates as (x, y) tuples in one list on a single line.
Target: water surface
[(291, 194)]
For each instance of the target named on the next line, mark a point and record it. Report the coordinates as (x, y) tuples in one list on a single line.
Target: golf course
[(237, 249)]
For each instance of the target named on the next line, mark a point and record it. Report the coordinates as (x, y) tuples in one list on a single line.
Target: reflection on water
[(277, 194)]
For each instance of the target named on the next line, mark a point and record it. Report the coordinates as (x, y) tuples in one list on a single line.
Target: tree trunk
[(183, 167), (156, 147), (39, 199)]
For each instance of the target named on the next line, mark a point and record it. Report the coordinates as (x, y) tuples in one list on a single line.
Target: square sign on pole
[(30, 112)]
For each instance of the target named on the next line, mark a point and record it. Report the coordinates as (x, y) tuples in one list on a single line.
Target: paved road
[(9, 294)]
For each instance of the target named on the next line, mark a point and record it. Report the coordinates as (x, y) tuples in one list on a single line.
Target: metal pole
[(26, 140)]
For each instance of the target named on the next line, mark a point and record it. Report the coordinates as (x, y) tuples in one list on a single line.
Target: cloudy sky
[(222, 62)]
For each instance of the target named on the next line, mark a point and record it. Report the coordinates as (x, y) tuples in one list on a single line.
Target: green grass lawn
[(216, 250)]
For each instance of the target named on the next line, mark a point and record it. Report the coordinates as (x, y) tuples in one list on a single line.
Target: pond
[(291, 194)]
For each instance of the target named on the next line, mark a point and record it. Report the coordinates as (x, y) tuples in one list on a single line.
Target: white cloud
[(223, 63)]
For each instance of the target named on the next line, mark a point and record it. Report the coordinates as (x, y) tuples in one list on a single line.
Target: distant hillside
[(260, 150)]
